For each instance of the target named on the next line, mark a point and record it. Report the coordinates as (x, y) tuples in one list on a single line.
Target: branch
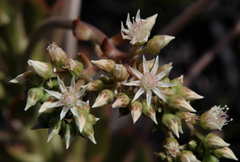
[(42, 31), (188, 14), (208, 57)]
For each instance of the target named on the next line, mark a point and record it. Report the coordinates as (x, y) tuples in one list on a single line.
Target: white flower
[(139, 29), (150, 81), (68, 99), (215, 118)]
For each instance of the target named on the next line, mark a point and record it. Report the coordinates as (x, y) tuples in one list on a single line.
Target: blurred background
[(206, 50)]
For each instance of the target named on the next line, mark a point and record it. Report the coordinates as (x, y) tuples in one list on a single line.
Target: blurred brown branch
[(184, 18), (209, 56)]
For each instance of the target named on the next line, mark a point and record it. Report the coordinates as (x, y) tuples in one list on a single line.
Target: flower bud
[(188, 156), (34, 95), (189, 94), (149, 111), (136, 110), (105, 64), (173, 123), (214, 141), (95, 85), (120, 72), (89, 132), (75, 66), (182, 105), (121, 101), (210, 158), (157, 43), (21, 77), (57, 55), (226, 153), (192, 144), (172, 147), (41, 68), (105, 97), (215, 118)]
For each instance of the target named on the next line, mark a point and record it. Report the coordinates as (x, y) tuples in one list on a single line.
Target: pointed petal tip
[(92, 139)]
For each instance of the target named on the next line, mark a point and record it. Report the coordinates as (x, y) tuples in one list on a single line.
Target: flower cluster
[(137, 84)]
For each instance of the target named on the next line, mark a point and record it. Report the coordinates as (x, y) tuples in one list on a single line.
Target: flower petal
[(138, 17), (61, 85), (159, 94), (129, 23), (165, 85), (145, 66), (163, 73), (64, 112), (136, 73), (155, 66), (48, 105), (133, 83), (138, 94), (55, 94), (149, 97)]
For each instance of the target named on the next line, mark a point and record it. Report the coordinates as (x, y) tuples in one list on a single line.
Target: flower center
[(148, 81), (69, 99)]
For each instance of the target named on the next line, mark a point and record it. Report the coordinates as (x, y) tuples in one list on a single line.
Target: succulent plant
[(125, 80)]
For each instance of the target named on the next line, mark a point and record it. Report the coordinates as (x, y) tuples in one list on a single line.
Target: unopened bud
[(136, 110), (95, 85), (21, 77), (182, 105), (54, 131), (105, 64), (121, 101), (120, 72), (189, 94), (157, 43), (89, 132), (173, 123), (192, 144), (149, 111), (214, 141), (172, 147), (188, 156), (210, 158), (105, 97), (57, 55), (41, 68), (75, 66), (226, 153), (34, 95)]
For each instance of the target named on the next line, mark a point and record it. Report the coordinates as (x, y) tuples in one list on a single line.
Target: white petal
[(149, 97), (129, 23), (92, 138), (48, 105), (123, 29), (74, 111), (64, 112), (138, 94), (73, 84), (138, 18), (67, 136), (136, 73), (54, 93), (80, 121), (165, 85), (61, 85), (145, 66), (133, 83), (159, 93), (155, 66)]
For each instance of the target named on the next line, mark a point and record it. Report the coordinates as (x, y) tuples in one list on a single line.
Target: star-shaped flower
[(139, 29), (69, 99), (149, 81)]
